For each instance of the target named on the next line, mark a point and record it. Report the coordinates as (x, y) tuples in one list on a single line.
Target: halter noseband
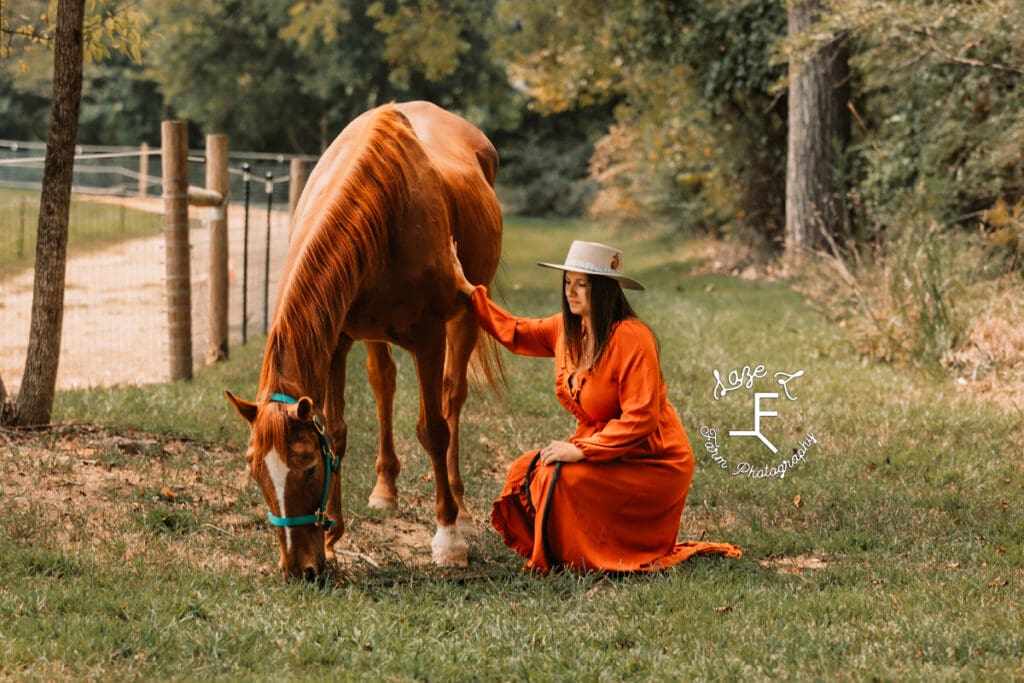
[(318, 518)]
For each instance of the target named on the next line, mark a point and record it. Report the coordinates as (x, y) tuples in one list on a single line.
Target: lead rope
[(545, 544), (548, 554)]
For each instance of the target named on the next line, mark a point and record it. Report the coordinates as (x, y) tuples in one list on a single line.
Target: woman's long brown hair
[(608, 305)]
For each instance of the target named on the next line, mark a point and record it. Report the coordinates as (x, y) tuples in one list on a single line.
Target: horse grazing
[(369, 259)]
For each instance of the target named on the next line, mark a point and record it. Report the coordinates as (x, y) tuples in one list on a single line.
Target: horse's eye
[(310, 471)]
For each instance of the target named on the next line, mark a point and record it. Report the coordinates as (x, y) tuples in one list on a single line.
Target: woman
[(610, 497)]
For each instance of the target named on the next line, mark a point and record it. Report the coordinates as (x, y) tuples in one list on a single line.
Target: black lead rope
[(529, 476), (552, 560), (545, 544)]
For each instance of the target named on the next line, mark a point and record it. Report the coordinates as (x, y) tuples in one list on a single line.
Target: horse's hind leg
[(337, 429), (449, 546), (380, 366), (462, 335)]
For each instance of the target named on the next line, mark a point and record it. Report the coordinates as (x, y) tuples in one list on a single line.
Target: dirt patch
[(79, 487), (795, 565)]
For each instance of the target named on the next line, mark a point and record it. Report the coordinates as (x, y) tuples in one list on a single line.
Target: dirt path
[(115, 316)]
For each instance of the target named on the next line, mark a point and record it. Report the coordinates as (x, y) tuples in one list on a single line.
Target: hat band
[(586, 265)]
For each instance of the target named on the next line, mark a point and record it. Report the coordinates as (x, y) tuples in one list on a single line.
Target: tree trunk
[(819, 125), (35, 397), (6, 407)]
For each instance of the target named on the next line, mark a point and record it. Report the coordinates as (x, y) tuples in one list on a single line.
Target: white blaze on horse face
[(278, 472)]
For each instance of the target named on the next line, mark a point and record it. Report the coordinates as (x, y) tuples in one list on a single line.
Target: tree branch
[(949, 56)]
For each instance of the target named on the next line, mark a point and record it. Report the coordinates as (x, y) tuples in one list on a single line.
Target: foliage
[(111, 26), (118, 106), (544, 162), (935, 180), (282, 76), (222, 66), (699, 140), (938, 100)]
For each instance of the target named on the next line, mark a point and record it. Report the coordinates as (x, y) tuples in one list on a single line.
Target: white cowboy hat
[(595, 259)]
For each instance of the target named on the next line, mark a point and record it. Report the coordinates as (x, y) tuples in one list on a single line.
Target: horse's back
[(468, 164), (451, 139)]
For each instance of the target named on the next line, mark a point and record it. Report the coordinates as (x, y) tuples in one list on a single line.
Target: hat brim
[(626, 282)]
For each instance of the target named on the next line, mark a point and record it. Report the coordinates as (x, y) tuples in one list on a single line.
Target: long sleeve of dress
[(524, 336), (641, 394)]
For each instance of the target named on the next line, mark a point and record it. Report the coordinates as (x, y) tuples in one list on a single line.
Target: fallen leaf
[(167, 494), (724, 609), (796, 502), (953, 565)]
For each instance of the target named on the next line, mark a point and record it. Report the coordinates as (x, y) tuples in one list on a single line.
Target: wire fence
[(115, 328)]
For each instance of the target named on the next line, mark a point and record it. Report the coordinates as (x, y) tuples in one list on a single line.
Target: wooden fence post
[(217, 180), (174, 161), (143, 169), (297, 173)]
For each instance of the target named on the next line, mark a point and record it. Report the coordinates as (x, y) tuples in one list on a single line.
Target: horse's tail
[(486, 366)]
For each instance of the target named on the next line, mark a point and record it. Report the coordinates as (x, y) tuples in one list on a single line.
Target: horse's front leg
[(462, 336), (448, 546), (380, 367), (337, 429)]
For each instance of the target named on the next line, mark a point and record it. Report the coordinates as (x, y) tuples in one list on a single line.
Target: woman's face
[(577, 293)]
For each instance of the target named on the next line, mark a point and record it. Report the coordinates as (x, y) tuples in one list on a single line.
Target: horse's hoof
[(385, 504), (449, 548)]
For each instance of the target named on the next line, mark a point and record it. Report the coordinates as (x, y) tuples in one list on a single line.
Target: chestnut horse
[(369, 259)]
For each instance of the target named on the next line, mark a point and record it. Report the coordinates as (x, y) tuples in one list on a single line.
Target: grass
[(91, 225), (909, 503)]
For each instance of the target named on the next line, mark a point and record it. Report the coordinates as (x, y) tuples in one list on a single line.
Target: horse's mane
[(349, 243), (271, 435)]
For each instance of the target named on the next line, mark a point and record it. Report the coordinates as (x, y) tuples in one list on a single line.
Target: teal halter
[(331, 463)]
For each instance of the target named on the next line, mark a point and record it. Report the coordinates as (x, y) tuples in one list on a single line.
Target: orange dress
[(619, 508)]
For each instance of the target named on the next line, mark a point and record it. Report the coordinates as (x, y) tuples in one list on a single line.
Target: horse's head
[(290, 458)]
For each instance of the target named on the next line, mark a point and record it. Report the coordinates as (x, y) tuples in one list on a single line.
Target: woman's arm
[(462, 283), (525, 336)]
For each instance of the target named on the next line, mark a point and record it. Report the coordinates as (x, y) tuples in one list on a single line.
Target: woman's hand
[(461, 283), (560, 451)]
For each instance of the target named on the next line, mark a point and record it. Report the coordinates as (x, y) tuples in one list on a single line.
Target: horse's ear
[(304, 409), (244, 408)]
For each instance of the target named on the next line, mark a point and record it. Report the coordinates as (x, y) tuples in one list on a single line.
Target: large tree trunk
[(35, 396), (819, 128)]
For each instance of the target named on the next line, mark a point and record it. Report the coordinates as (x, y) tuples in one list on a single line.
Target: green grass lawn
[(893, 552)]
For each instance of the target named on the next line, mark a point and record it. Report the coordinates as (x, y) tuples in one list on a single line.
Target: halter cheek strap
[(331, 463)]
